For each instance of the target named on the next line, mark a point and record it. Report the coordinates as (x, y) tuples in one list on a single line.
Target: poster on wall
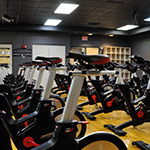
[(5, 55)]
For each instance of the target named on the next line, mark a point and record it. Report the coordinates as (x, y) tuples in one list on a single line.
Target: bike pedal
[(120, 132), (141, 145), (91, 117), (117, 131), (79, 108)]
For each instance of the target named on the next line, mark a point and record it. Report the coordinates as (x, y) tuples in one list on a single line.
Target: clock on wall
[(3, 52)]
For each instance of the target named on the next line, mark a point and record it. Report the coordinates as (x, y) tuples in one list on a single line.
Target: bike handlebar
[(130, 67), (115, 65), (137, 59)]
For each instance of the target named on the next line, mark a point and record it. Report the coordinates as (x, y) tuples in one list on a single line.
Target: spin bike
[(43, 120), (140, 144), (29, 104), (65, 130), (138, 108), (111, 100), (136, 83), (63, 81), (18, 83), (90, 90)]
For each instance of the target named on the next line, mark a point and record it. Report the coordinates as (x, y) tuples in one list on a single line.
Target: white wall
[(48, 51)]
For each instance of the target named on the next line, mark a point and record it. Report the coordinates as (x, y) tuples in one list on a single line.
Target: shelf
[(117, 50), (113, 50), (122, 51), (108, 50), (119, 54)]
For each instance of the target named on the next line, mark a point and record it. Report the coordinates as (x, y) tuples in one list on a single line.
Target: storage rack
[(119, 54)]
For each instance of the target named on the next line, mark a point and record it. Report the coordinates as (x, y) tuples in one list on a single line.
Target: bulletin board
[(5, 55)]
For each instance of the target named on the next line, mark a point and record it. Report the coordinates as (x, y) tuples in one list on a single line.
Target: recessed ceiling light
[(65, 8), (90, 34), (111, 35), (52, 22), (127, 27), (147, 19)]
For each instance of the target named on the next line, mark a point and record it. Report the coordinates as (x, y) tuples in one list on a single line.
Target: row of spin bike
[(111, 94), (31, 117)]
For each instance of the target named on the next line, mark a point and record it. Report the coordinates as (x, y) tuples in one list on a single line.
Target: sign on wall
[(4, 55)]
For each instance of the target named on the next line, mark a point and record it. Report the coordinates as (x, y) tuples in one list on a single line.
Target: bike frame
[(75, 90), (50, 81)]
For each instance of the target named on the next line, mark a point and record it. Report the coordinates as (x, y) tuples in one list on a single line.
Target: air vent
[(113, 1), (93, 23)]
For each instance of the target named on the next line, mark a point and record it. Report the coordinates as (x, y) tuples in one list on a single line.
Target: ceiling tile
[(48, 5), (92, 3), (53, 1), (45, 10), (74, 1), (31, 4), (110, 5), (109, 13)]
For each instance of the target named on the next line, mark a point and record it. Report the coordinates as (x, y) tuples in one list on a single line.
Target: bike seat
[(91, 59), (53, 60)]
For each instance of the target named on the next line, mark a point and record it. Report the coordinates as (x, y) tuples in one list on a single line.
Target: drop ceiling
[(101, 16)]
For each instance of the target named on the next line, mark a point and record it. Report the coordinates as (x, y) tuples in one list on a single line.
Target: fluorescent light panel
[(147, 19), (127, 27), (52, 22), (65, 8)]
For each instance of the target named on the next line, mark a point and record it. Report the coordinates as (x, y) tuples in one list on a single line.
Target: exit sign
[(84, 38)]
